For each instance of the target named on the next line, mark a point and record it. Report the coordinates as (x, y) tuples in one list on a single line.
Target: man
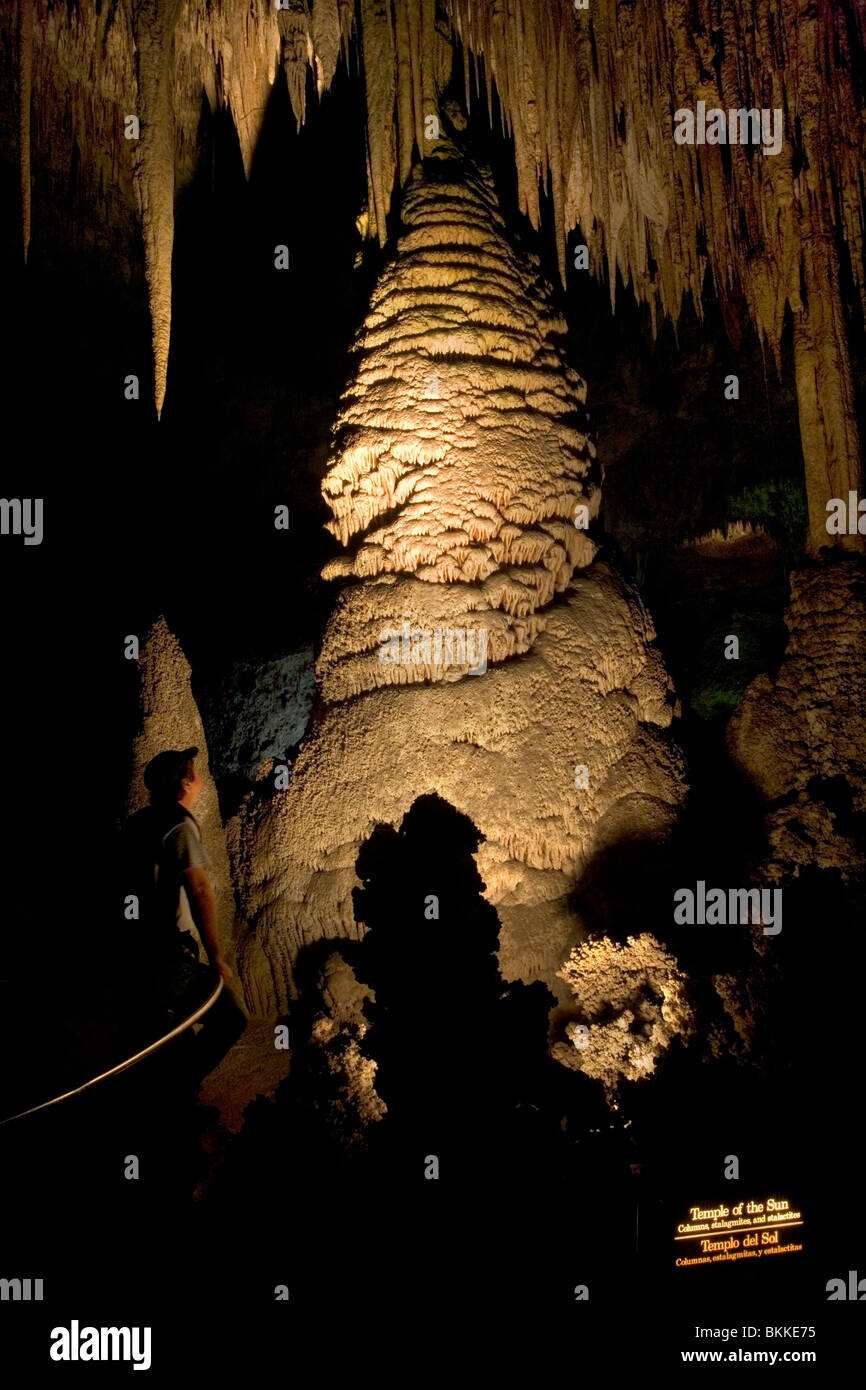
[(173, 867)]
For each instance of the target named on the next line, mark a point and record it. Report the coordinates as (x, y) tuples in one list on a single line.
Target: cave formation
[(478, 485), (587, 98), (462, 451)]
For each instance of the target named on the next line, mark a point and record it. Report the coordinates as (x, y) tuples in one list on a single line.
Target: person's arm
[(203, 907)]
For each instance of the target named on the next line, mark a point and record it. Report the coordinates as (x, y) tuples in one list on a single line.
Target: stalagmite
[(632, 1001), (799, 737), (465, 428), (461, 493), (170, 719)]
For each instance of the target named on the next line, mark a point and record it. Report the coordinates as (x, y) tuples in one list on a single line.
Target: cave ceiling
[(587, 95)]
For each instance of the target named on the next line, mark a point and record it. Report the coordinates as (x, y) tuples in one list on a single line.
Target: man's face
[(192, 785)]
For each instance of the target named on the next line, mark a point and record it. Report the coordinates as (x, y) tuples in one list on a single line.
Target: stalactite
[(588, 97), (295, 27), (603, 133), (825, 396), (233, 52), (84, 83), (327, 38), (378, 48), (153, 23), (25, 75)]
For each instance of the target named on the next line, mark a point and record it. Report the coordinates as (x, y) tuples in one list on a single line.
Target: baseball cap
[(164, 771)]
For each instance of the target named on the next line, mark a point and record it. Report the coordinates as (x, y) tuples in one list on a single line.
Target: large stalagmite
[(462, 458), (464, 451)]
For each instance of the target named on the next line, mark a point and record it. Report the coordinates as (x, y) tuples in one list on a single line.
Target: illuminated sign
[(745, 1231)]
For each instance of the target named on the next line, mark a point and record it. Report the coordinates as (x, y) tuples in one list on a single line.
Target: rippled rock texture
[(462, 508)]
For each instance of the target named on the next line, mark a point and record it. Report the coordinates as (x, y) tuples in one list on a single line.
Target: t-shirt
[(179, 848)]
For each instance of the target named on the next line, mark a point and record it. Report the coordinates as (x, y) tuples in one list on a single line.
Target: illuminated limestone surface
[(632, 999), (346, 1094), (801, 737), (459, 507), (588, 97), (463, 448), (170, 719)]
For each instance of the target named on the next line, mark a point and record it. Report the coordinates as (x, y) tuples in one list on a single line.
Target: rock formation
[(348, 1100), (463, 502), (465, 431), (256, 711), (799, 738), (588, 97), (463, 477), (633, 1002), (170, 719)]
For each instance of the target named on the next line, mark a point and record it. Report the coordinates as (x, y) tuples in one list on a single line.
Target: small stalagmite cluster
[(633, 1002), (464, 502)]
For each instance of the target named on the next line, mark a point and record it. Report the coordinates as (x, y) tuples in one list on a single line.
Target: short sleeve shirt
[(181, 849)]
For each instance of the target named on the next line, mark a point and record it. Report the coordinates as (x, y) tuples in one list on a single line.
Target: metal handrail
[(130, 1061)]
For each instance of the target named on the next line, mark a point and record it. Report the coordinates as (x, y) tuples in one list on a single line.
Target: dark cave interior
[(704, 510)]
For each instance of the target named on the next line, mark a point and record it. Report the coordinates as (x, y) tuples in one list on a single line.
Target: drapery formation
[(589, 97)]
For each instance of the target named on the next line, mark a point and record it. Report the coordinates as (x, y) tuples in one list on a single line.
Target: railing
[(130, 1061)]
